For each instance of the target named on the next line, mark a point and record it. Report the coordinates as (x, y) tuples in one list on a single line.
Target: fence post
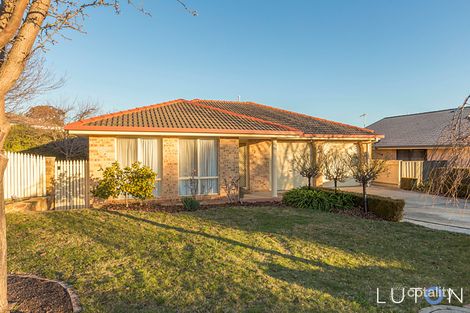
[(399, 173), (50, 179)]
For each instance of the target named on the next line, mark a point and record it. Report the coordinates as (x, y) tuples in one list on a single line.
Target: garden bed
[(32, 294), (157, 206)]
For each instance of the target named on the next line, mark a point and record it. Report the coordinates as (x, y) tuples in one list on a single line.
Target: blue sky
[(332, 59)]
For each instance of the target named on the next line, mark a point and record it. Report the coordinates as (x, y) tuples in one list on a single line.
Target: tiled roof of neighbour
[(218, 117), (426, 129)]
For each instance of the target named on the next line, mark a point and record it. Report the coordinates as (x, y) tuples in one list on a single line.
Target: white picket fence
[(25, 176), (71, 187)]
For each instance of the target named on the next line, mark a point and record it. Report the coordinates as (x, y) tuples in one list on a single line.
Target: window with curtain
[(126, 151), (150, 154), (198, 159), (148, 151)]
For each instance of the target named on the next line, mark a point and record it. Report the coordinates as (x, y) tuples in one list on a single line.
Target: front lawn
[(254, 259)]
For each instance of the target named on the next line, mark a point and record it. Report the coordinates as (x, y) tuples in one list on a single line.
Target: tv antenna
[(364, 119)]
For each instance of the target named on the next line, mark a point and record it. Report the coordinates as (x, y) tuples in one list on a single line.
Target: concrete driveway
[(427, 210)]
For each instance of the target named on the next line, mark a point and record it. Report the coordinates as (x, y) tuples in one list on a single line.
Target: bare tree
[(307, 163), (365, 170), (231, 186), (25, 27), (335, 166), (34, 81), (450, 174), (65, 144)]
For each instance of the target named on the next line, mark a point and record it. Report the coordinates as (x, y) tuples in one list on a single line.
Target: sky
[(332, 59)]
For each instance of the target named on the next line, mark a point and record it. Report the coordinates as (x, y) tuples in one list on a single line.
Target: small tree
[(137, 181), (365, 170), (335, 166), (307, 165), (231, 186), (109, 185)]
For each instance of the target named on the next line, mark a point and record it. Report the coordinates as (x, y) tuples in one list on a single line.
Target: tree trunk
[(336, 185), (364, 196), (4, 129), (309, 182)]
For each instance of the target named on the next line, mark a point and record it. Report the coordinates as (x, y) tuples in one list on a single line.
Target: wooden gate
[(71, 188)]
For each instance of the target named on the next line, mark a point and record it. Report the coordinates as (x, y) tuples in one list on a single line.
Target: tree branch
[(13, 22)]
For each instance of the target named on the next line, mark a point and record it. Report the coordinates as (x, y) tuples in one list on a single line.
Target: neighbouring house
[(416, 137), (213, 140), (415, 144)]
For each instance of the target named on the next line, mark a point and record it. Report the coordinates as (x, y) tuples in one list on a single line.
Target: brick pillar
[(101, 154), (170, 169), (259, 163), (50, 174), (274, 168), (228, 161)]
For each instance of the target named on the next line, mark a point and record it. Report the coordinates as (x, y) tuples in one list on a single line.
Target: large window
[(148, 151), (198, 167)]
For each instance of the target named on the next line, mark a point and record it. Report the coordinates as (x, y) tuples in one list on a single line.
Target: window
[(411, 155), (148, 151), (198, 158)]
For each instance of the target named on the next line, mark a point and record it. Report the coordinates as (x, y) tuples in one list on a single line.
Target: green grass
[(255, 259)]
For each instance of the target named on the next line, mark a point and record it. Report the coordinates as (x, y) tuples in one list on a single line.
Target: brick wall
[(260, 165), (101, 154), (228, 161), (170, 169)]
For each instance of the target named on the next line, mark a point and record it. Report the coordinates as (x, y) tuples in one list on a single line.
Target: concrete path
[(428, 210)]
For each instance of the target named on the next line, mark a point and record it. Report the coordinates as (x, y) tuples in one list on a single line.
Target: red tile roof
[(214, 116)]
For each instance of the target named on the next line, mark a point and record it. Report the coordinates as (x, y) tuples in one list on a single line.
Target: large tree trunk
[(4, 129)]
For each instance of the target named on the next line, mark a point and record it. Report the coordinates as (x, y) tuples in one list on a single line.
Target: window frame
[(199, 178)]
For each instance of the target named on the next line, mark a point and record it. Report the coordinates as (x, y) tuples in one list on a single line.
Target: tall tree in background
[(25, 27)]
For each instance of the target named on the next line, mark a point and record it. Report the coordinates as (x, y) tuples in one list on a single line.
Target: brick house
[(212, 140)]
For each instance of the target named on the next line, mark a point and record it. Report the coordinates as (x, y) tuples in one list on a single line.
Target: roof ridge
[(420, 113), (138, 109), (312, 117), (195, 101)]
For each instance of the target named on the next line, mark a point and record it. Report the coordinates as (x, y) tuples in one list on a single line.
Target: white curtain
[(198, 158), (187, 164), (126, 151), (151, 156), (208, 166)]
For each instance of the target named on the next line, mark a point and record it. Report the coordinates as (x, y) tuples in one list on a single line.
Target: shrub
[(190, 203), (326, 199), (317, 199), (136, 181), (109, 185), (383, 207), (139, 181), (408, 183)]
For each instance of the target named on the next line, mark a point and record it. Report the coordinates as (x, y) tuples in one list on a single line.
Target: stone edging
[(445, 309), (76, 307)]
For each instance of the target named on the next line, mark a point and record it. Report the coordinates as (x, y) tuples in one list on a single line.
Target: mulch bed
[(150, 206), (28, 294)]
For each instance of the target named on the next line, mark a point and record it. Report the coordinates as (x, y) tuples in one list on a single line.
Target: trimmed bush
[(408, 183), (190, 204), (326, 199), (317, 199)]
